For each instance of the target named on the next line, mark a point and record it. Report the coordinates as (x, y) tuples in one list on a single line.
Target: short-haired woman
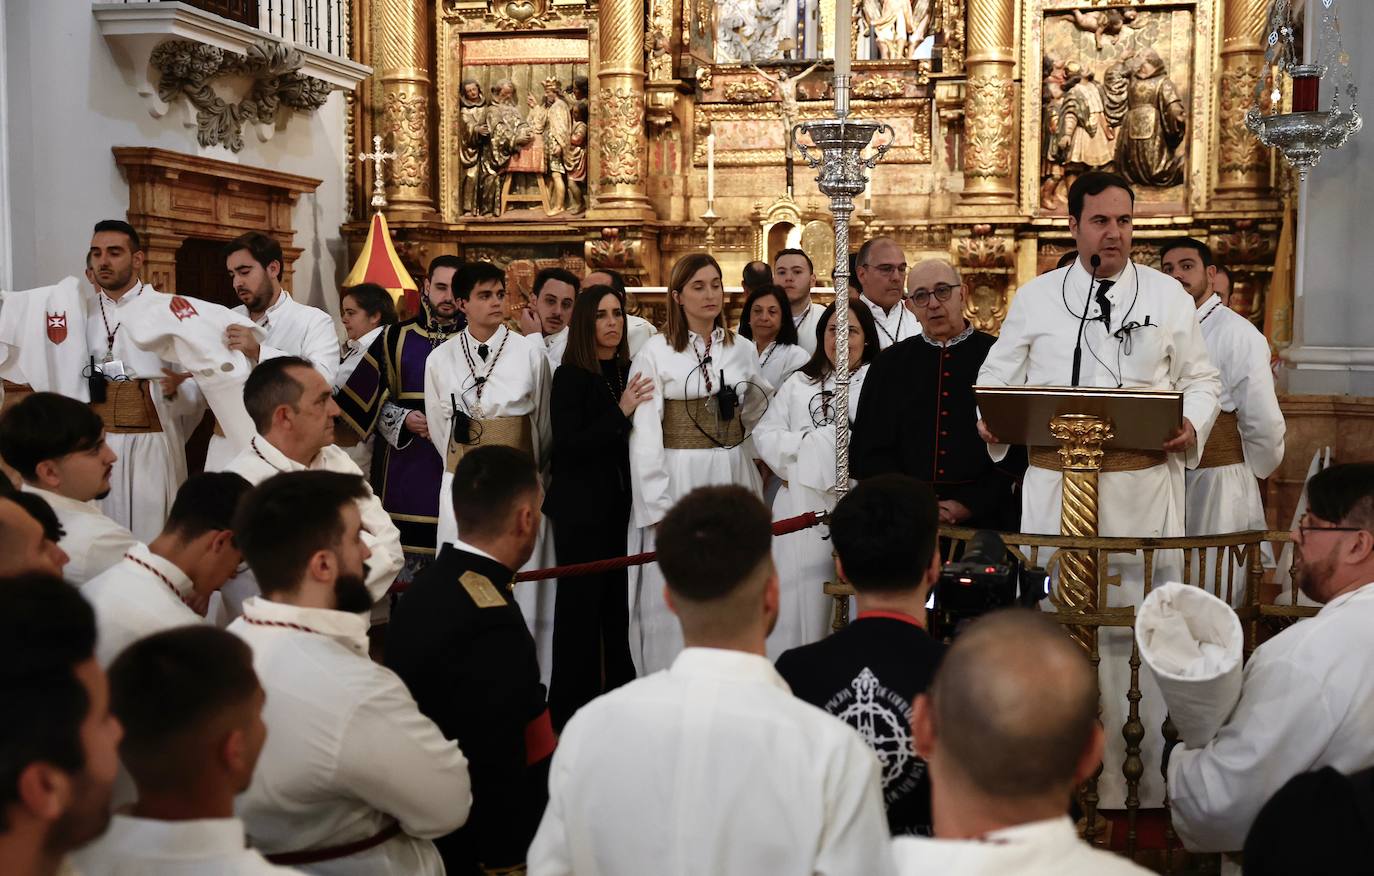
[(708, 393), (768, 323), (796, 438), (591, 404)]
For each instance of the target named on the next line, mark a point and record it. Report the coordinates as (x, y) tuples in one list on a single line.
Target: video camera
[(986, 577)]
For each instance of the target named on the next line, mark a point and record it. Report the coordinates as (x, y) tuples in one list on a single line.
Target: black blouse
[(590, 469)]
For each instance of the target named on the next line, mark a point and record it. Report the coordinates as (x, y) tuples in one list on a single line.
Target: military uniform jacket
[(460, 643)]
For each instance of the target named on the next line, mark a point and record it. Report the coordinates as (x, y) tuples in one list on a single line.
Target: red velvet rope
[(780, 527)]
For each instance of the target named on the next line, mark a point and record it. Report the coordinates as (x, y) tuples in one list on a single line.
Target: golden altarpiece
[(579, 133)]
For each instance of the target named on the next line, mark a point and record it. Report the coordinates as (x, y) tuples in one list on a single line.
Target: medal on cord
[(480, 380)]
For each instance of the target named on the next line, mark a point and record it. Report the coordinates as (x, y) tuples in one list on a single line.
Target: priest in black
[(460, 643), (917, 411), (869, 673)]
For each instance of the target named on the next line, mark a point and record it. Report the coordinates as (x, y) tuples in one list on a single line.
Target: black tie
[(1102, 301), (483, 350)]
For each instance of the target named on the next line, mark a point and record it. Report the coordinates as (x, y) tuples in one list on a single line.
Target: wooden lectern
[(1085, 424)]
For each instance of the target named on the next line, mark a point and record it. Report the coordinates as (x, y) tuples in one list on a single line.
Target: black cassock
[(917, 416), (459, 642)]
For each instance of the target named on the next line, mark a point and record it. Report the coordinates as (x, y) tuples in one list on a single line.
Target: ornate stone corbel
[(986, 262), (521, 14), (187, 68)]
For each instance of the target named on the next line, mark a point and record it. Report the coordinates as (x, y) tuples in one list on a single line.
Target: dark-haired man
[(168, 583), (459, 642), (1141, 332), (353, 776), (191, 708), (146, 402), (550, 308), (293, 328), (1307, 700), (490, 385), (1009, 730), (385, 395), (793, 271), (643, 775), (638, 330), (1246, 443), (58, 741), (881, 268), (869, 673), (57, 445), (755, 275), (293, 411), (29, 533)]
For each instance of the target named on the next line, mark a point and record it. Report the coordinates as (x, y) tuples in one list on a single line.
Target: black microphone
[(1096, 262)]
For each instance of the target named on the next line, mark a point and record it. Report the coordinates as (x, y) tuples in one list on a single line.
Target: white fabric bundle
[(1191, 642), (43, 339)]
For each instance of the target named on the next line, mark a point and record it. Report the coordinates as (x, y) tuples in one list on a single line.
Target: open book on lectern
[(1142, 419)]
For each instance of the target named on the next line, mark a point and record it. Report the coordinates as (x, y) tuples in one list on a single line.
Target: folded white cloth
[(1191, 642)]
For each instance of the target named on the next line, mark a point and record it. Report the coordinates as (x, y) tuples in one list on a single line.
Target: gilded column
[(1080, 438), (990, 151), (400, 40), (1242, 163), (619, 107)]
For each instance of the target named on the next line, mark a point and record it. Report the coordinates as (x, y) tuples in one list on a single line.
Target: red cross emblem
[(57, 327), (181, 308)]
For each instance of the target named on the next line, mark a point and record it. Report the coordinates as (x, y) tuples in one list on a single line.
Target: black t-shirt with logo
[(867, 675)]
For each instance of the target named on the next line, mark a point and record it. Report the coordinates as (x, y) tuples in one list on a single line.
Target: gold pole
[(401, 46), (1242, 162), (1080, 438), (618, 111), (990, 153)]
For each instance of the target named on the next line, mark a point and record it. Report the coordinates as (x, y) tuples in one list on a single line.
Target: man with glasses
[(916, 414), (1307, 701), (881, 270)]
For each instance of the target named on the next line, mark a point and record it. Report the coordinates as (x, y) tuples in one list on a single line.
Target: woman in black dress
[(589, 501)]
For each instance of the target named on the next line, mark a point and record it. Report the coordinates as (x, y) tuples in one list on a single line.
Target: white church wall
[(1333, 345), (70, 100)]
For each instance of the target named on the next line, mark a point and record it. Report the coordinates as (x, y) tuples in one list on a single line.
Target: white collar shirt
[(1241, 354), (199, 847), (353, 353), (806, 326), (711, 766), (895, 324), (92, 541), (1306, 702), (556, 345), (347, 748), (296, 329), (136, 597), (1038, 848), (261, 460)]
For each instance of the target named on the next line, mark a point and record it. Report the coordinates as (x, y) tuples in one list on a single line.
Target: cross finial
[(378, 184)]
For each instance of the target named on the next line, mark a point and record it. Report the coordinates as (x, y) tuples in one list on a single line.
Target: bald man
[(1009, 730), (916, 412)]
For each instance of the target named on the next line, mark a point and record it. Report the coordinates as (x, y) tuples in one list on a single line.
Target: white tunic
[(92, 541), (778, 361), (202, 847), (1226, 498), (1035, 348), (262, 460), (659, 477), (802, 454), (347, 749), (43, 338), (711, 767), (1037, 848), (555, 345), (140, 595), (293, 329), (806, 326), (517, 384), (151, 465), (638, 330), (896, 324), (190, 333), (1307, 702)]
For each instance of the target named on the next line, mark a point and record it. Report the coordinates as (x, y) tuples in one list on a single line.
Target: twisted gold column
[(990, 153), (618, 107), (1242, 163), (401, 58), (1080, 437)]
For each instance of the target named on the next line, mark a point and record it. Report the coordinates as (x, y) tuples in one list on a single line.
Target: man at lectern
[(1105, 321)]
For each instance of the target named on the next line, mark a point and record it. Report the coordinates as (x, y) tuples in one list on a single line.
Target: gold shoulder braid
[(482, 591)]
